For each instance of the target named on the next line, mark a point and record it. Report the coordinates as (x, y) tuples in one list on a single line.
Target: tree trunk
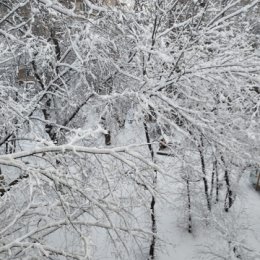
[(229, 195), (203, 168), (217, 183), (152, 204), (189, 206), (213, 179)]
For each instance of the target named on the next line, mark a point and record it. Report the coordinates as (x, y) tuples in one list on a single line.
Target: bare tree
[(72, 73)]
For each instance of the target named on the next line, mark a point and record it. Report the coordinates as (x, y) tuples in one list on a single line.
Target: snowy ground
[(244, 232), (209, 240)]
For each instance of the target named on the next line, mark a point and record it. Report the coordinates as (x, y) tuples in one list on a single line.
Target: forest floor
[(241, 226)]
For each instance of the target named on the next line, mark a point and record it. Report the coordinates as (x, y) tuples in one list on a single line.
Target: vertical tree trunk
[(154, 230), (108, 138), (229, 195), (153, 218), (10, 147), (103, 122), (152, 204), (189, 206), (217, 183)]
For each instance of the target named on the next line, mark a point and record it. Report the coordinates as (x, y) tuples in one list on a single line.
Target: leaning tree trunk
[(217, 181), (204, 175), (214, 180)]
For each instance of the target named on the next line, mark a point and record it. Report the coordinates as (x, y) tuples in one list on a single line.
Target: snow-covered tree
[(99, 99)]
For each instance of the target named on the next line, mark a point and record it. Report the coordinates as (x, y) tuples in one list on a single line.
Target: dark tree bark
[(108, 138), (189, 206), (152, 204), (217, 182), (10, 146), (213, 177), (229, 195), (204, 178)]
